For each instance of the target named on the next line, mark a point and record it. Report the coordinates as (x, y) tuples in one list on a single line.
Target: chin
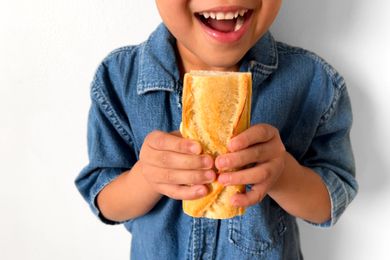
[(223, 63)]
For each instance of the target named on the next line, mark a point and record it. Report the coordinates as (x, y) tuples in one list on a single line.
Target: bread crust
[(216, 107)]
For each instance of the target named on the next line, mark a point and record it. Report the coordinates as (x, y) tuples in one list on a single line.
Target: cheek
[(181, 30), (175, 15), (267, 14), (172, 9)]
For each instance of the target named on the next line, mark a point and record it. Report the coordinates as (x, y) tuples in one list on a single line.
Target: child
[(297, 154)]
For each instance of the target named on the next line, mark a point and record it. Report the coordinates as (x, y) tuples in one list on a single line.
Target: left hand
[(261, 148)]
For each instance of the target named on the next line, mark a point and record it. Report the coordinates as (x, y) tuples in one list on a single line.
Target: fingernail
[(210, 175), (233, 146), (206, 162), (194, 148), (201, 192), (223, 179), (222, 162), (230, 146)]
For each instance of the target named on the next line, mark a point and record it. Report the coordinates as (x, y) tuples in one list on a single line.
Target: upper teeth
[(224, 16)]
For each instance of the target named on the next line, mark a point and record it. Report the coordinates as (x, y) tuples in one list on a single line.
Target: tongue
[(222, 25)]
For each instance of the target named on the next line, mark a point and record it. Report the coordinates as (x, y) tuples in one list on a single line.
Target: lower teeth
[(239, 23)]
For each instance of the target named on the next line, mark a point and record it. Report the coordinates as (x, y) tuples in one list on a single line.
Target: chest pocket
[(259, 230)]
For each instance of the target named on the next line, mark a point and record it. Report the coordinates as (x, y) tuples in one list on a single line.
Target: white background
[(49, 51)]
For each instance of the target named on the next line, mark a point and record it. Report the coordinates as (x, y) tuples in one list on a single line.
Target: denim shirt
[(137, 89)]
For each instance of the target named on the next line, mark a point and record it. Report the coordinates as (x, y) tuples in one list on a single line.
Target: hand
[(175, 167), (259, 146)]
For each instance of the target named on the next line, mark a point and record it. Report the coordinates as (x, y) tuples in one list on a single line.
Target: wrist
[(148, 188), (290, 166), (301, 192)]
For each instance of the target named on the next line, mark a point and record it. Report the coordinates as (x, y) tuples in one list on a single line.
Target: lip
[(227, 37)]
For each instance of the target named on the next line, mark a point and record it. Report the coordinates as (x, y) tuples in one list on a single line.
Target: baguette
[(216, 107)]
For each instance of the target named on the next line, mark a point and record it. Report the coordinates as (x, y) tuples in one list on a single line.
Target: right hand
[(175, 167)]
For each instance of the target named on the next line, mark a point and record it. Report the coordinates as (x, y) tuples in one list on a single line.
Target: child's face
[(209, 43)]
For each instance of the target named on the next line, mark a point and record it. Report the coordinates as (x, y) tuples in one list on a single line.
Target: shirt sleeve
[(110, 147), (330, 155)]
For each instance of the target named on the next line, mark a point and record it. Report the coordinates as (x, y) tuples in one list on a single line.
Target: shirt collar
[(262, 59), (158, 68)]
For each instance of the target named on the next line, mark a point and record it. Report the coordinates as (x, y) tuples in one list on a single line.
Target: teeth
[(206, 15), (224, 16), (229, 16), (239, 23), (242, 12), (220, 16)]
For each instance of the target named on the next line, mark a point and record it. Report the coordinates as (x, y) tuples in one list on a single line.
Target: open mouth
[(225, 22)]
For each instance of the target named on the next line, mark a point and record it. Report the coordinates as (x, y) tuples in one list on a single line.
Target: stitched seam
[(336, 97), (140, 64), (340, 207), (336, 79), (110, 113), (267, 69), (94, 193), (160, 85), (129, 49), (102, 100), (264, 246), (142, 86)]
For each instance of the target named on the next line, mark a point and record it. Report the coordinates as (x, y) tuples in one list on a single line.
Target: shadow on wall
[(321, 26)]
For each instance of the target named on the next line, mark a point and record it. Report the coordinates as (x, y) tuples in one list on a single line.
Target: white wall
[(48, 53), (354, 36)]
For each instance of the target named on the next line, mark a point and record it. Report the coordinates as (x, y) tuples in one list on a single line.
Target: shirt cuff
[(339, 192), (105, 176)]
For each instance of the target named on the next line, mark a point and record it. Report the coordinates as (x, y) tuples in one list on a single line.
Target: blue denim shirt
[(137, 89)]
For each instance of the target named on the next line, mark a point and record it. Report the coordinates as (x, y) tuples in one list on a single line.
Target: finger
[(256, 134), (257, 174), (158, 140), (176, 133), (183, 192), (171, 176), (252, 197), (255, 154), (174, 160)]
